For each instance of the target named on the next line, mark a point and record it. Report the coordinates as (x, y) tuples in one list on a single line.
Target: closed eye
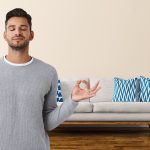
[(23, 29), (11, 28)]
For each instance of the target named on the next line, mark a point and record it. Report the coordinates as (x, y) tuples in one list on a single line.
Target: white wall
[(88, 37)]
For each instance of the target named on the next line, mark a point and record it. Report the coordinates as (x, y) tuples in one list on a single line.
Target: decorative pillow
[(59, 95), (138, 90), (145, 89), (105, 94), (126, 90)]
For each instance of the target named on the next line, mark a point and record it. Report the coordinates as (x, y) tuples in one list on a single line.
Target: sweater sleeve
[(54, 115)]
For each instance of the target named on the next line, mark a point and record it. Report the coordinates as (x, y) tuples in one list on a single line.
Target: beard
[(19, 47)]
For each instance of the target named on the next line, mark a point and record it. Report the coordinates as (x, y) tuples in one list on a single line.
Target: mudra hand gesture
[(79, 94)]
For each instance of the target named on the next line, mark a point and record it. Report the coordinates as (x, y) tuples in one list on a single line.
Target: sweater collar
[(21, 64)]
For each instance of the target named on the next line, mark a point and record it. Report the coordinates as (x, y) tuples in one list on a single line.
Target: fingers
[(78, 83), (95, 86), (86, 83), (90, 94), (95, 91)]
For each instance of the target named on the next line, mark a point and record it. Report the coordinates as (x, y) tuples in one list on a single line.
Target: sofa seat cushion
[(122, 107), (85, 107), (109, 117)]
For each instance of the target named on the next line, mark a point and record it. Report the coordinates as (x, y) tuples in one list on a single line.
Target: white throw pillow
[(105, 94)]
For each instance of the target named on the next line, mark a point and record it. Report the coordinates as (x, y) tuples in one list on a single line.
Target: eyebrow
[(14, 26)]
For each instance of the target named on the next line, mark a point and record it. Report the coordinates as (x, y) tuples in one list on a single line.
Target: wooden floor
[(100, 139)]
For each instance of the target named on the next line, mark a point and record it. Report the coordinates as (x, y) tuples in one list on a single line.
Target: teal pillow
[(138, 90), (126, 90), (145, 89), (59, 92)]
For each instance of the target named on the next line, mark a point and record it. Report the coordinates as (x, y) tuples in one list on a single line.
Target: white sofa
[(101, 110)]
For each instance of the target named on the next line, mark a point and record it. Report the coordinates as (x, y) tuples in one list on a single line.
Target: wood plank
[(99, 140), (105, 122)]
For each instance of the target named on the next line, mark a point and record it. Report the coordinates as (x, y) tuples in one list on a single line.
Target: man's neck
[(18, 57)]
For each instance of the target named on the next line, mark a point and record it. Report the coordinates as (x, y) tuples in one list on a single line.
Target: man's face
[(17, 33)]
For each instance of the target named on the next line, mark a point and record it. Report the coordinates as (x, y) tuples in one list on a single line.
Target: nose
[(17, 32)]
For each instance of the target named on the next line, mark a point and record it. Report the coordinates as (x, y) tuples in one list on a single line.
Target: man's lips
[(17, 38)]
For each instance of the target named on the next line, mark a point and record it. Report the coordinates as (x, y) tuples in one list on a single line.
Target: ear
[(31, 35), (4, 35)]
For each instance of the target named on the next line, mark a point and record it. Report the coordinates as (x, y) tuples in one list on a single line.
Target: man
[(28, 87)]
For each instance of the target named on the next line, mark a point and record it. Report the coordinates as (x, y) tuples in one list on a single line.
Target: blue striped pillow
[(126, 90), (59, 93), (145, 89)]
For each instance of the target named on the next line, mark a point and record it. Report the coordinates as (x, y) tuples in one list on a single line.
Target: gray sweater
[(28, 107)]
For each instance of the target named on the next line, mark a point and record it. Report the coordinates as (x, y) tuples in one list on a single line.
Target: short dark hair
[(18, 12)]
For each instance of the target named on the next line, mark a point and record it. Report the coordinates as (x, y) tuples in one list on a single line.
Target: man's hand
[(79, 94)]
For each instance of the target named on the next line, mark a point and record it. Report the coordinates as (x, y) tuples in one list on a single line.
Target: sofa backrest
[(67, 87), (105, 94)]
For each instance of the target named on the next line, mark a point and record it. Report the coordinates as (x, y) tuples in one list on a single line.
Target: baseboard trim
[(105, 123)]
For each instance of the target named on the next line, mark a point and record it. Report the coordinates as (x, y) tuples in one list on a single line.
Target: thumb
[(78, 83)]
